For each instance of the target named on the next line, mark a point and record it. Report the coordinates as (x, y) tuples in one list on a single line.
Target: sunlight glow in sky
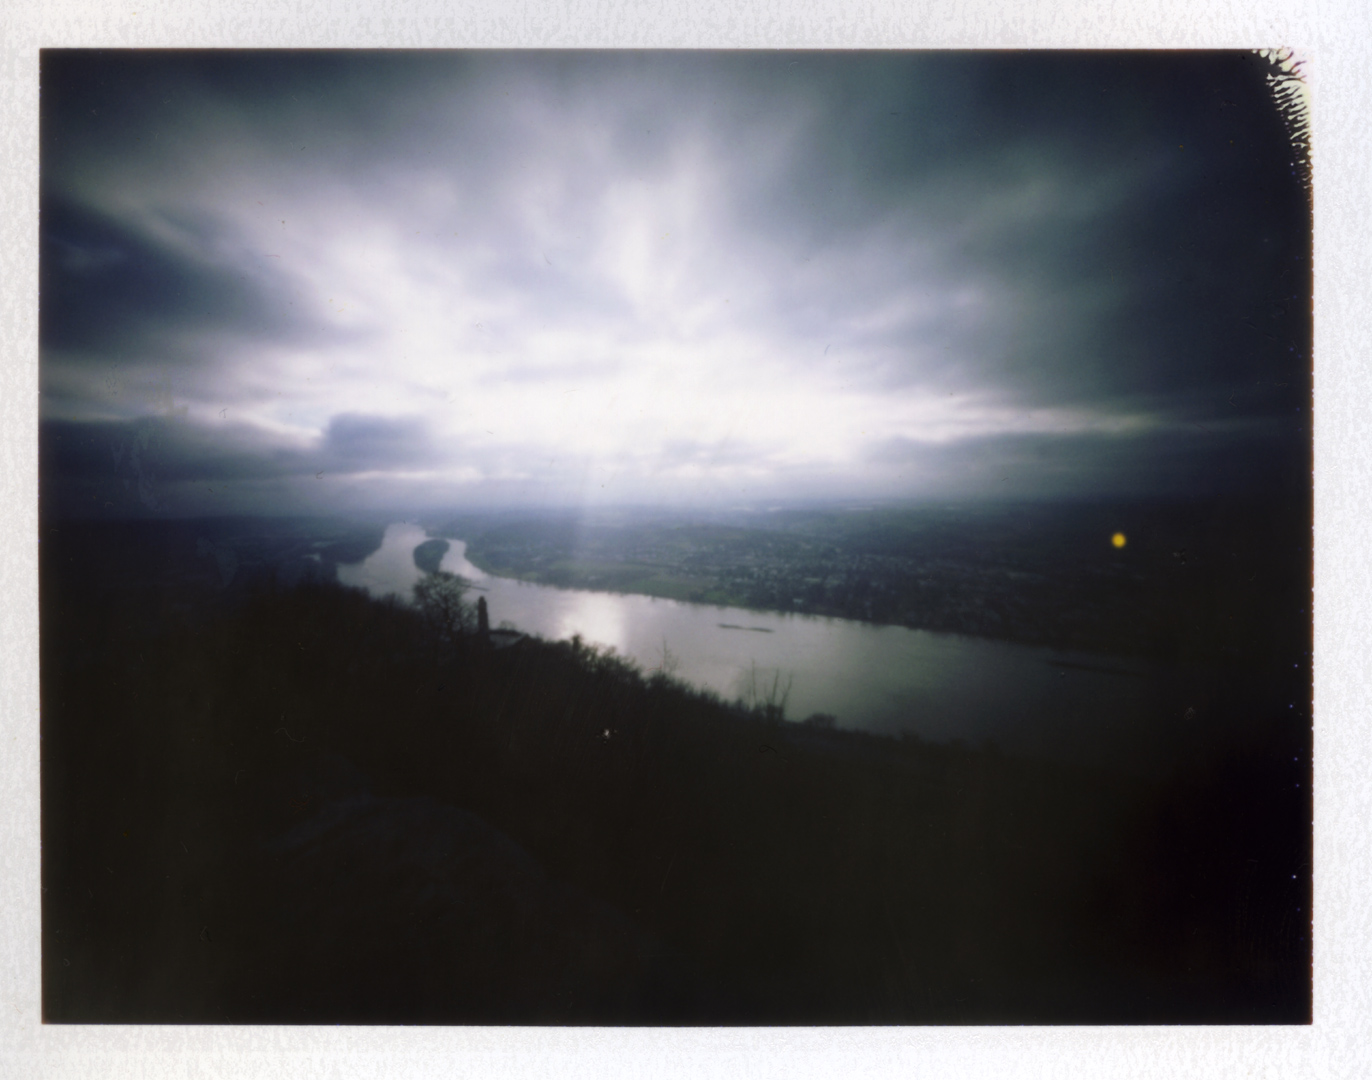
[(632, 277)]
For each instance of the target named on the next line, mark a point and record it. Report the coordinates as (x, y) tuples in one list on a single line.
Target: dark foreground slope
[(296, 805)]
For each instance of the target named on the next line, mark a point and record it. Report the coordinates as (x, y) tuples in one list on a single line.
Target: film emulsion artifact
[(675, 538)]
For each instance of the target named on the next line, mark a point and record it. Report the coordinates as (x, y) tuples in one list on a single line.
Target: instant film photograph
[(675, 538)]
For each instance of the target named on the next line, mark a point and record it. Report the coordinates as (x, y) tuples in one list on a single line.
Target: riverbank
[(884, 679), (638, 579), (1179, 587)]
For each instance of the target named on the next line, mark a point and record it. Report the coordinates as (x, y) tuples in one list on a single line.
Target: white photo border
[(1332, 40)]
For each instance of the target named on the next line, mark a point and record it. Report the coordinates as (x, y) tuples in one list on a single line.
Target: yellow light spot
[(1118, 540)]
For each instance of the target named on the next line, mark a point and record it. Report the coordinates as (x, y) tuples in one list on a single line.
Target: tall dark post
[(483, 620)]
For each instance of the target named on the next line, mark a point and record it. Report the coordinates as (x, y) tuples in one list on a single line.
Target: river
[(886, 679)]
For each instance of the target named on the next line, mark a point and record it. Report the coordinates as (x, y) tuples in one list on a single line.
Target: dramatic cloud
[(371, 279)]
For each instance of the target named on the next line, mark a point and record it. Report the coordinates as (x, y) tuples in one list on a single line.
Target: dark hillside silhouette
[(298, 804)]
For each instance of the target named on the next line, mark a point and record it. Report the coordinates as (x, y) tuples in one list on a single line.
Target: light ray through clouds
[(365, 279)]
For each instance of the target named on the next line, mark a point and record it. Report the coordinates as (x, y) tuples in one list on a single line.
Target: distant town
[(1180, 585)]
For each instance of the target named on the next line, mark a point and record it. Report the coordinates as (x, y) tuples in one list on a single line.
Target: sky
[(297, 282)]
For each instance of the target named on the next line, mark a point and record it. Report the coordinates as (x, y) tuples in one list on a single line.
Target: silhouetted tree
[(440, 599)]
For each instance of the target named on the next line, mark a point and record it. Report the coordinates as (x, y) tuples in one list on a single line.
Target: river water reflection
[(885, 679)]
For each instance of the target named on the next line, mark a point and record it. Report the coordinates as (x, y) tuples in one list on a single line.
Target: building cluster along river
[(886, 679)]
